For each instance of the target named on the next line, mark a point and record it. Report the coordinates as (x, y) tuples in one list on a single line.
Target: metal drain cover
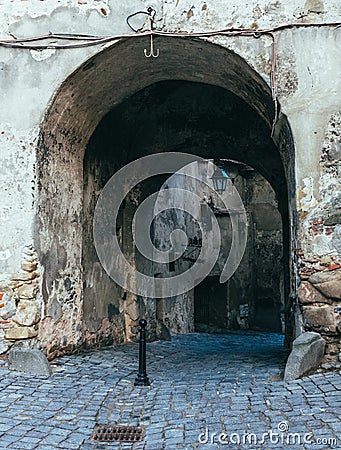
[(117, 433)]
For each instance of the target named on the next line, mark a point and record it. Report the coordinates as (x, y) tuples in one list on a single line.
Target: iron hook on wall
[(150, 13), (151, 52)]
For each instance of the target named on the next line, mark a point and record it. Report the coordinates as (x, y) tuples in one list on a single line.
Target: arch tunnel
[(198, 98)]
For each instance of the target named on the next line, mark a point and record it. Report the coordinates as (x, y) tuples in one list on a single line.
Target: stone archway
[(84, 99)]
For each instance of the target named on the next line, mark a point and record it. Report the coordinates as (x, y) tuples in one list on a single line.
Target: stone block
[(20, 333), (24, 276), (8, 308), (28, 313), (28, 266), (15, 284), (307, 353), (333, 345), (332, 349), (328, 283), (307, 293), (29, 361), (319, 316), (28, 290)]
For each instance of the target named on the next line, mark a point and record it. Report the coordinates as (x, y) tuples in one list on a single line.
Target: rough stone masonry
[(53, 100)]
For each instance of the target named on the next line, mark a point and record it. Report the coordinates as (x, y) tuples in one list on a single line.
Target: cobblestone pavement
[(202, 384)]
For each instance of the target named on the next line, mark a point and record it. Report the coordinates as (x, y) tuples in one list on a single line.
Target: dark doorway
[(210, 305), (267, 316)]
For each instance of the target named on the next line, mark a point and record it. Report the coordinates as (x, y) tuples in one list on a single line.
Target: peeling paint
[(220, 14), (307, 200), (41, 55)]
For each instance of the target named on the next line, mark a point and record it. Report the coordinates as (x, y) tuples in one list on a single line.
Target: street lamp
[(219, 179)]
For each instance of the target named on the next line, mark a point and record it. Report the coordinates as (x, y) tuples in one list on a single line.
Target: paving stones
[(220, 383)]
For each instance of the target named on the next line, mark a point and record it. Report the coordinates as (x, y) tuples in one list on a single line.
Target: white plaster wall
[(28, 80), (17, 194), (220, 14), (310, 109), (317, 97)]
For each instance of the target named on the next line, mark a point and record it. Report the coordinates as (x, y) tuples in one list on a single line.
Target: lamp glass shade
[(219, 179)]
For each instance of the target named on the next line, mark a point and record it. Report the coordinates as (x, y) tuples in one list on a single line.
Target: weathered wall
[(308, 84), (178, 312), (254, 295), (158, 117), (268, 255)]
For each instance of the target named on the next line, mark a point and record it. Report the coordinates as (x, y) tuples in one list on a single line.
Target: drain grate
[(117, 433)]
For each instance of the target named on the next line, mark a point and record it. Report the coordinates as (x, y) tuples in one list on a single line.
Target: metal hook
[(151, 53)]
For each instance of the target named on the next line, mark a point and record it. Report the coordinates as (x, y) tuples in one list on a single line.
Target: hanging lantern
[(219, 179)]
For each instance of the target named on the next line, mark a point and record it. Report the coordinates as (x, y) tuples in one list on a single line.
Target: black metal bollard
[(142, 378)]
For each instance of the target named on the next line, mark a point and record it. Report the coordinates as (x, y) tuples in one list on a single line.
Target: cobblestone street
[(203, 385)]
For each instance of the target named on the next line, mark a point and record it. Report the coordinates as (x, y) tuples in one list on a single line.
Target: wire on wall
[(67, 41)]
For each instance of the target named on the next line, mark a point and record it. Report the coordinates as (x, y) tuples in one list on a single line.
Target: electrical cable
[(91, 40)]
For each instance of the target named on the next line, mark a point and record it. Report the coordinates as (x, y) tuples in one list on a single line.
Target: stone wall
[(320, 302), (319, 260), (254, 295), (55, 94), (21, 306)]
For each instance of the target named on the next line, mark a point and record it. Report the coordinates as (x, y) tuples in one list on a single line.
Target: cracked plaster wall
[(308, 68)]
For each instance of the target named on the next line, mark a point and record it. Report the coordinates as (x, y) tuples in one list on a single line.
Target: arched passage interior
[(120, 106)]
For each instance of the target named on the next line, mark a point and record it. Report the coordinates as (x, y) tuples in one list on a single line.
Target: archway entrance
[(253, 299), (198, 98)]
